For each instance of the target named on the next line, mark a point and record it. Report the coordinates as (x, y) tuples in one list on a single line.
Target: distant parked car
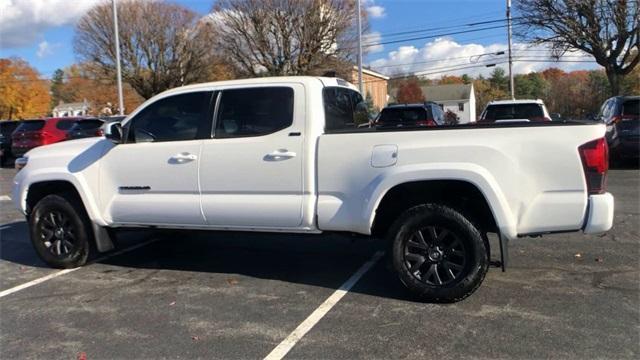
[(6, 128), (410, 116), (34, 133), (506, 111), (90, 127), (620, 114)]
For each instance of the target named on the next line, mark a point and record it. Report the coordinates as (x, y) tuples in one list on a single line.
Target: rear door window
[(254, 111), (31, 125)]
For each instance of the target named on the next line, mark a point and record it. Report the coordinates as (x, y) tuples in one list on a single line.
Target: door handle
[(182, 158), (280, 154)]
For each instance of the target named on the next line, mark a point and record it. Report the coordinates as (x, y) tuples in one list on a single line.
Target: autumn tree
[(450, 79), (410, 92), (162, 45), (22, 93), (487, 90), (286, 37), (606, 29), (80, 84)]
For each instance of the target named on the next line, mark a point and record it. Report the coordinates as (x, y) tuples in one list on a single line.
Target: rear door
[(251, 172)]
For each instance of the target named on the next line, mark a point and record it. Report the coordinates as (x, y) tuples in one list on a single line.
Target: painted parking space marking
[(56, 274), (5, 198), (287, 344)]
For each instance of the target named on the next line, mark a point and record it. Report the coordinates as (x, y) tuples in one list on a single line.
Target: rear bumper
[(599, 214)]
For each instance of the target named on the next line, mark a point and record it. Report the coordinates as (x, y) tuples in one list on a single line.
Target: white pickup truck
[(286, 155)]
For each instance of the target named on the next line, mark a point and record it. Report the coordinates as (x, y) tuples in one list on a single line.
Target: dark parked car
[(6, 128), (33, 133), (620, 114), (410, 116), (90, 127)]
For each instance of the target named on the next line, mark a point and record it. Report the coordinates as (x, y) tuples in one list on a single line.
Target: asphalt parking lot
[(235, 295)]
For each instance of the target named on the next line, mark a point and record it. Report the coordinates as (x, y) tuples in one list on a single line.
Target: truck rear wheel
[(60, 231), (437, 253)]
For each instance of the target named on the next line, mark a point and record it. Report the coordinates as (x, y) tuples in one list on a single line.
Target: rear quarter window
[(31, 125), (631, 107)]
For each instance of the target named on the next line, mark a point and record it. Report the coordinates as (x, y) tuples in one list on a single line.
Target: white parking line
[(66, 271), (287, 344), (5, 198)]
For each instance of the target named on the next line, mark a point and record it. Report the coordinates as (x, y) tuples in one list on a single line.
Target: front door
[(251, 171), (152, 178)]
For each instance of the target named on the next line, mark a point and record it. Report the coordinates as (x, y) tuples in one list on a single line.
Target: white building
[(459, 98), (71, 109)]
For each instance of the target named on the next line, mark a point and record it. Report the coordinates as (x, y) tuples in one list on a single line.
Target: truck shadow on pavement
[(326, 260)]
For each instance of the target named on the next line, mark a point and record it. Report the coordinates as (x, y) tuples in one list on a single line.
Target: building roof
[(449, 92), (372, 73)]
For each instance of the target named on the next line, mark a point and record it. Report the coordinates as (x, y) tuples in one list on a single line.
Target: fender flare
[(465, 172)]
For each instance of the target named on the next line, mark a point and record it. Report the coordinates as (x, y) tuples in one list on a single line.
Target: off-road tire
[(76, 230), (461, 230)]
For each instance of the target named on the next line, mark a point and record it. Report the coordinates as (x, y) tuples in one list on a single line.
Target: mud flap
[(504, 252), (102, 237)]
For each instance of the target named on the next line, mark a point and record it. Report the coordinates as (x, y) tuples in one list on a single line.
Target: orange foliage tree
[(81, 84), (409, 91), (451, 79), (22, 93)]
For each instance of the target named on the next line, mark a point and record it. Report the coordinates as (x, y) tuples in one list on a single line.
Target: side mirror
[(113, 132)]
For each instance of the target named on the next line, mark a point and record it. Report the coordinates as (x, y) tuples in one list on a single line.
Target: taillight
[(428, 122), (100, 132), (595, 163)]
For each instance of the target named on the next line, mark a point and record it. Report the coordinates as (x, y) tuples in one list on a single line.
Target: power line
[(428, 36), (445, 27)]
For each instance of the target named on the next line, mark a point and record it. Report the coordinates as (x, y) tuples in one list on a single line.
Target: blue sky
[(41, 31)]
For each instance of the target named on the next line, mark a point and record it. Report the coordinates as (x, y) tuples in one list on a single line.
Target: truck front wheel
[(60, 231), (437, 253)]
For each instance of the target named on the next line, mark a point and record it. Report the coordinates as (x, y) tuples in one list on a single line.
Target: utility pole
[(118, 70), (359, 48), (511, 86)]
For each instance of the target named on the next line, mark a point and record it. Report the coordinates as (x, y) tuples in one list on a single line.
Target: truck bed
[(530, 173)]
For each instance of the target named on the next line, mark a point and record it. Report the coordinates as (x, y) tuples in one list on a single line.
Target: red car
[(33, 133)]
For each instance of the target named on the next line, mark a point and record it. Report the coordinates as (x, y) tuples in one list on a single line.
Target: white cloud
[(23, 22), (45, 49), (445, 56), (373, 37), (376, 11)]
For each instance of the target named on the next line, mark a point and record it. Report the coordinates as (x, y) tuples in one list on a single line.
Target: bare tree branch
[(162, 45), (285, 37), (606, 29)]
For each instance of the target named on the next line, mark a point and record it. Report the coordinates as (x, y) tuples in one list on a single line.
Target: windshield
[(513, 111), (402, 115)]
